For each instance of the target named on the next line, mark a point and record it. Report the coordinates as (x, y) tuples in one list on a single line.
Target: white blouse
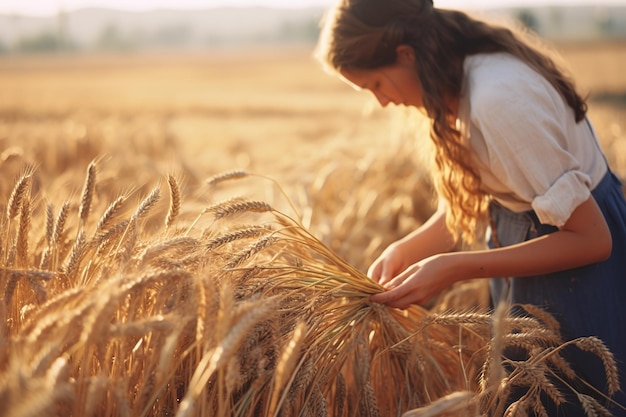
[(528, 148)]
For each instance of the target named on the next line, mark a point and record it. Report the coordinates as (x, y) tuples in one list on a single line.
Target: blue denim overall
[(587, 301)]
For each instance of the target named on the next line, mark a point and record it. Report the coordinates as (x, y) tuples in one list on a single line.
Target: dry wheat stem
[(311, 241)]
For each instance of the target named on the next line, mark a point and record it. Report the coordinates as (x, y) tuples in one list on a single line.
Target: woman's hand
[(431, 238), (390, 263), (584, 239), (418, 283)]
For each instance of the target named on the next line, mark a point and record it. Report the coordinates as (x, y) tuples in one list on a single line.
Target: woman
[(514, 151)]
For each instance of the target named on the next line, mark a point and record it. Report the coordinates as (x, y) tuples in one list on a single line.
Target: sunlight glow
[(50, 7)]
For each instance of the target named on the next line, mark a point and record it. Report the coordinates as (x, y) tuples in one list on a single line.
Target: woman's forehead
[(358, 78)]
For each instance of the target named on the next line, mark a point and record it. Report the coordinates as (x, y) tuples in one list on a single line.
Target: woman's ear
[(405, 54)]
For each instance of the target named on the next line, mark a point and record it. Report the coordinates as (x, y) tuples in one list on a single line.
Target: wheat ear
[(238, 174), (22, 235), (596, 346), (231, 208), (285, 367), (59, 224), (227, 176), (250, 232), (17, 195), (14, 205), (89, 189), (175, 200), (109, 214), (57, 233), (49, 224), (147, 204)]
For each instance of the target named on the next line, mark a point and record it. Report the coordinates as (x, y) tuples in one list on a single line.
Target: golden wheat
[(88, 192), (175, 201), (119, 320)]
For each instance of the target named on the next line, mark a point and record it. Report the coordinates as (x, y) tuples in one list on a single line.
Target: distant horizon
[(48, 8)]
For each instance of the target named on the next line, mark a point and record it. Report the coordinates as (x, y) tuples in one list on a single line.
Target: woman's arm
[(431, 238), (584, 239)]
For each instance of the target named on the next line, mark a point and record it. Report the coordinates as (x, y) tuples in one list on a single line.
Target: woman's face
[(397, 83)]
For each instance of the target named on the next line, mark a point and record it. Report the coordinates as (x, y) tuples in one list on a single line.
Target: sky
[(49, 7)]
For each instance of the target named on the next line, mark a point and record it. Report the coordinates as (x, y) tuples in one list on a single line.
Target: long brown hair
[(364, 34)]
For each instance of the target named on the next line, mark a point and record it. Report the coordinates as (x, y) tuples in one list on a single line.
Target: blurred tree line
[(554, 23), (118, 37), (561, 23)]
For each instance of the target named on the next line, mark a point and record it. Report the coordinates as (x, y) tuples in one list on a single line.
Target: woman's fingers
[(397, 298), (380, 272), (374, 271), (385, 276), (395, 290), (401, 291), (385, 297)]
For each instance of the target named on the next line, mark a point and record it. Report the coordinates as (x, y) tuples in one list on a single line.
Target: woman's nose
[(382, 99)]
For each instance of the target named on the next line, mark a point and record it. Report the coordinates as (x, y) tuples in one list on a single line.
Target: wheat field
[(185, 234)]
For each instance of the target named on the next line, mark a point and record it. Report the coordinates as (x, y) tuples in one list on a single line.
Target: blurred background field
[(268, 109)]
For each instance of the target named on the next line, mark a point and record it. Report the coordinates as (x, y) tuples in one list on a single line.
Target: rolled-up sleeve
[(524, 130), (556, 205)]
